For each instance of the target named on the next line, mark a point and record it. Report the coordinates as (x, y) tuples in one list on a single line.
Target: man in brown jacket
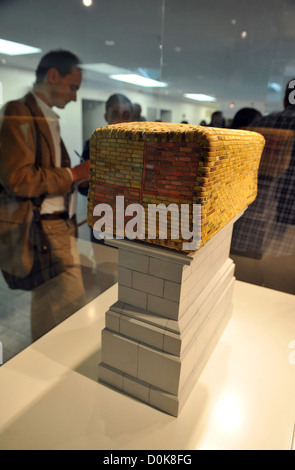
[(23, 123)]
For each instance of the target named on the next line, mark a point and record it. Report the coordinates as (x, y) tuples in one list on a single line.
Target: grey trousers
[(60, 297)]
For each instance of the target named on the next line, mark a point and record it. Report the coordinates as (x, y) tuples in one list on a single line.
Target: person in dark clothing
[(118, 109), (137, 116), (263, 241), (217, 119), (244, 117)]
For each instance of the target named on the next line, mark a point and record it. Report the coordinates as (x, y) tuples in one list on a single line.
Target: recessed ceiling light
[(244, 34), (199, 97), (104, 68), (274, 86), (87, 3), (138, 80), (109, 43), (16, 48)]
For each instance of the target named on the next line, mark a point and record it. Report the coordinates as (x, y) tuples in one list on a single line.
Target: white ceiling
[(196, 46)]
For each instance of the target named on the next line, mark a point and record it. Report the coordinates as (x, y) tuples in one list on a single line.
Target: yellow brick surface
[(153, 163)]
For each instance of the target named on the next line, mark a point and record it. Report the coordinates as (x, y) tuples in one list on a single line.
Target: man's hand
[(81, 172)]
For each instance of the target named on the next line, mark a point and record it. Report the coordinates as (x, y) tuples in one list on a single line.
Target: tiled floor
[(15, 332), (99, 269)]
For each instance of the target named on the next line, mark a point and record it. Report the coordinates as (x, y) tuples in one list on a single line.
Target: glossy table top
[(50, 397)]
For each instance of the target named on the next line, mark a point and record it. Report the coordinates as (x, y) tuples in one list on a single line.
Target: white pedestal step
[(171, 310)]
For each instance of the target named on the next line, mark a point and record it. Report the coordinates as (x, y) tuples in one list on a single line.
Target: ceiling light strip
[(16, 48)]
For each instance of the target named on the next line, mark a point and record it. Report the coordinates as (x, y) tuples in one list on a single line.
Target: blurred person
[(263, 242), (217, 119), (118, 109), (245, 117), (34, 164), (137, 113)]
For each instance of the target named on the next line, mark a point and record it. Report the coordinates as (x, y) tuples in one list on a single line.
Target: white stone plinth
[(171, 310)]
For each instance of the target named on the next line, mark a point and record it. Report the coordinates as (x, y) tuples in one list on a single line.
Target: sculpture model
[(174, 298)]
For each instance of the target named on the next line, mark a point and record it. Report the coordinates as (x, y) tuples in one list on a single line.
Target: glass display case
[(215, 64)]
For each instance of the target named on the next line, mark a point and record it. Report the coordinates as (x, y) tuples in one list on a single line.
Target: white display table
[(244, 399)]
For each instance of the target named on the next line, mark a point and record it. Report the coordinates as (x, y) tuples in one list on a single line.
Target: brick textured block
[(152, 163)]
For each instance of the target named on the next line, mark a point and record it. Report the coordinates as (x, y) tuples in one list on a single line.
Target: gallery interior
[(136, 365)]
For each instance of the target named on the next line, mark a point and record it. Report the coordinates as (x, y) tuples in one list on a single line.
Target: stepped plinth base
[(171, 311)]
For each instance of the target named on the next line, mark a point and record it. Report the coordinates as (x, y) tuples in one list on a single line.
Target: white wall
[(15, 82)]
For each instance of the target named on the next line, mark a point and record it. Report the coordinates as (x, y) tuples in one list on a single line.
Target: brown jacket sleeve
[(19, 174)]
